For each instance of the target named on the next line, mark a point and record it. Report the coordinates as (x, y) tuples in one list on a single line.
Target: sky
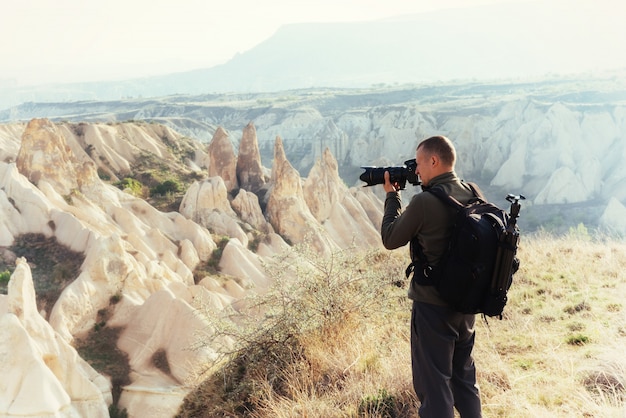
[(50, 41), (46, 41)]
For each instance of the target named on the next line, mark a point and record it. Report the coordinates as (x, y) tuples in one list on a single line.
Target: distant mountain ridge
[(505, 41)]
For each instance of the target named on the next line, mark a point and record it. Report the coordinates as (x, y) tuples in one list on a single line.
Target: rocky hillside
[(559, 142), (79, 214)]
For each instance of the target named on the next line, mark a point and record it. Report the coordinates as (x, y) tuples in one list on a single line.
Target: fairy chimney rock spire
[(221, 160), (285, 178), (279, 158), (249, 167), (323, 188), (287, 210)]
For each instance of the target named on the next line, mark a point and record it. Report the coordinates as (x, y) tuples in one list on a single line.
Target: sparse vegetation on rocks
[(53, 266), (99, 349), (131, 185), (211, 266)]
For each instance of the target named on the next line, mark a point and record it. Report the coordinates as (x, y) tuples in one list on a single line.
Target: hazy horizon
[(73, 41)]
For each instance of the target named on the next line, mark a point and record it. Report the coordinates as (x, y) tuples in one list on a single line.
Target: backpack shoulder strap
[(442, 195), (475, 189), (445, 197)]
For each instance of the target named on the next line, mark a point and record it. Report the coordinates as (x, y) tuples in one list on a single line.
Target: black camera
[(397, 174)]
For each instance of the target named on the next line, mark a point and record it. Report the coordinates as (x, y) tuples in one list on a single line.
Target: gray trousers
[(444, 374)]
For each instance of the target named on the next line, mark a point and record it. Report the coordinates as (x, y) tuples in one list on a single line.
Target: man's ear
[(434, 160)]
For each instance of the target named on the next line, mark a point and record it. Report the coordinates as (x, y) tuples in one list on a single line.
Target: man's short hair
[(441, 146)]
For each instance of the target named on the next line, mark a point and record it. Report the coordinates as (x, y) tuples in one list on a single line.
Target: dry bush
[(321, 341)]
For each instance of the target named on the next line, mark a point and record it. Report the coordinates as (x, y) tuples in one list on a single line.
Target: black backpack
[(477, 269)]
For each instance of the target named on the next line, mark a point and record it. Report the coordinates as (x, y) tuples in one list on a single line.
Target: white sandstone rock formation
[(116, 148), (206, 203), (287, 210), (25, 208), (221, 160), (246, 205), (132, 250), (250, 172), (246, 266), (44, 154), (614, 217), (371, 204), (42, 374), (145, 259), (330, 202), (10, 137), (160, 344)]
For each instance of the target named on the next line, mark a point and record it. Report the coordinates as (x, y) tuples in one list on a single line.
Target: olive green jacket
[(428, 222)]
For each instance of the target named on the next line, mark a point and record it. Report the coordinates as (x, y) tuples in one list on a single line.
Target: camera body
[(397, 174)]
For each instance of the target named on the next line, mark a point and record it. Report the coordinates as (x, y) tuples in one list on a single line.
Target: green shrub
[(134, 186), (113, 300), (253, 244), (579, 232), (211, 266), (382, 404), (116, 412), (5, 276), (577, 339), (103, 175), (168, 186)]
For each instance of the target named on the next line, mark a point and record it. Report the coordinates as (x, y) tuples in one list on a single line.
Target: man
[(444, 375)]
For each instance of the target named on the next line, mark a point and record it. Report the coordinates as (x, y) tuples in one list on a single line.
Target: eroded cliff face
[(564, 152), (145, 259), (555, 153), (557, 141)]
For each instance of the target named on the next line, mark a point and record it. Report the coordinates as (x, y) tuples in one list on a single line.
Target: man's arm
[(397, 228), (393, 208)]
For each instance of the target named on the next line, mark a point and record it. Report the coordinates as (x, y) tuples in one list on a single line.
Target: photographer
[(442, 340)]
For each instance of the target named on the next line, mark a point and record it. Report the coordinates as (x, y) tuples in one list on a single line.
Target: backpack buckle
[(427, 271), (409, 270)]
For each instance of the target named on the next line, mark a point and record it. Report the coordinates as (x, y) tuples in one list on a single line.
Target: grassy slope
[(557, 353)]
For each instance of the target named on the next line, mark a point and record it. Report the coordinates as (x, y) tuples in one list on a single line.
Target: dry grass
[(558, 352)]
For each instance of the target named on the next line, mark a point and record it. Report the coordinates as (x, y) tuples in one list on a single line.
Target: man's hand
[(388, 186)]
